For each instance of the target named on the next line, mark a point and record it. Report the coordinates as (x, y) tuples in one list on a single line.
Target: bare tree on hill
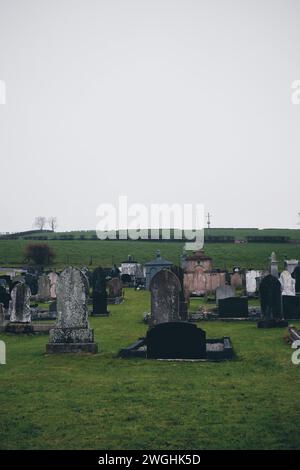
[(40, 222)]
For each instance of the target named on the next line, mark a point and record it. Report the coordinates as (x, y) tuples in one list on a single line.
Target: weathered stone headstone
[(19, 306), (251, 285), (176, 340), (287, 283), (53, 277), (43, 287), (236, 280), (99, 293), (72, 332), (270, 301), (165, 288), (224, 292), (115, 291), (19, 310), (233, 307)]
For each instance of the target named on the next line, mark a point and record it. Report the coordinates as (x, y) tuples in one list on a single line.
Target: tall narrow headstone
[(53, 277), (274, 265), (165, 288), (71, 332), (43, 287), (99, 293), (296, 276), (19, 310)]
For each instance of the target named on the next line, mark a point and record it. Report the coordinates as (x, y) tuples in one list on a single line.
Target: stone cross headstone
[(19, 306), (165, 290), (287, 283), (224, 292), (99, 293), (43, 287), (72, 332)]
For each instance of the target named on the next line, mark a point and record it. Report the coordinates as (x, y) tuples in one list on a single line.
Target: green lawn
[(106, 253), (103, 402)]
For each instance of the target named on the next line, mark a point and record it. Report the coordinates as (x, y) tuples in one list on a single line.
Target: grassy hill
[(106, 253)]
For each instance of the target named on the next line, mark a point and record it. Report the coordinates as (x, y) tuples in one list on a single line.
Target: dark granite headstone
[(291, 307), (32, 281), (270, 301), (4, 297), (233, 307), (99, 293), (296, 276), (176, 340)]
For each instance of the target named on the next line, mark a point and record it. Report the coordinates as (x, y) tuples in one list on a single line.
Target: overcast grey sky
[(162, 101)]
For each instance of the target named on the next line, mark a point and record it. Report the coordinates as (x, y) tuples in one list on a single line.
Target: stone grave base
[(19, 328), (272, 324), (60, 348), (100, 314), (115, 300), (216, 350)]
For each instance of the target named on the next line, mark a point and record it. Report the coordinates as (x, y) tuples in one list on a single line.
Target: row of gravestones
[(45, 289)]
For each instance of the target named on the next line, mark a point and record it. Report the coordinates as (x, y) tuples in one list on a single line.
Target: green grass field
[(105, 253), (104, 402)]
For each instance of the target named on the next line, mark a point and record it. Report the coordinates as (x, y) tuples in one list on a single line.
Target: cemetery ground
[(103, 402)]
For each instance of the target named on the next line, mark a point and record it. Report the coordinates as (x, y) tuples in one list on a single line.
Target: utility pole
[(208, 220)]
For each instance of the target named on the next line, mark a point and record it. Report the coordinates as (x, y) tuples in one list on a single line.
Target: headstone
[(296, 276), (53, 277), (72, 332), (19, 306), (99, 293), (224, 292), (270, 301), (287, 283), (274, 265), (176, 340), (236, 280), (4, 297), (43, 287), (32, 281), (115, 291), (251, 285), (19, 310), (233, 307), (291, 307), (290, 265), (2, 316), (165, 288)]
